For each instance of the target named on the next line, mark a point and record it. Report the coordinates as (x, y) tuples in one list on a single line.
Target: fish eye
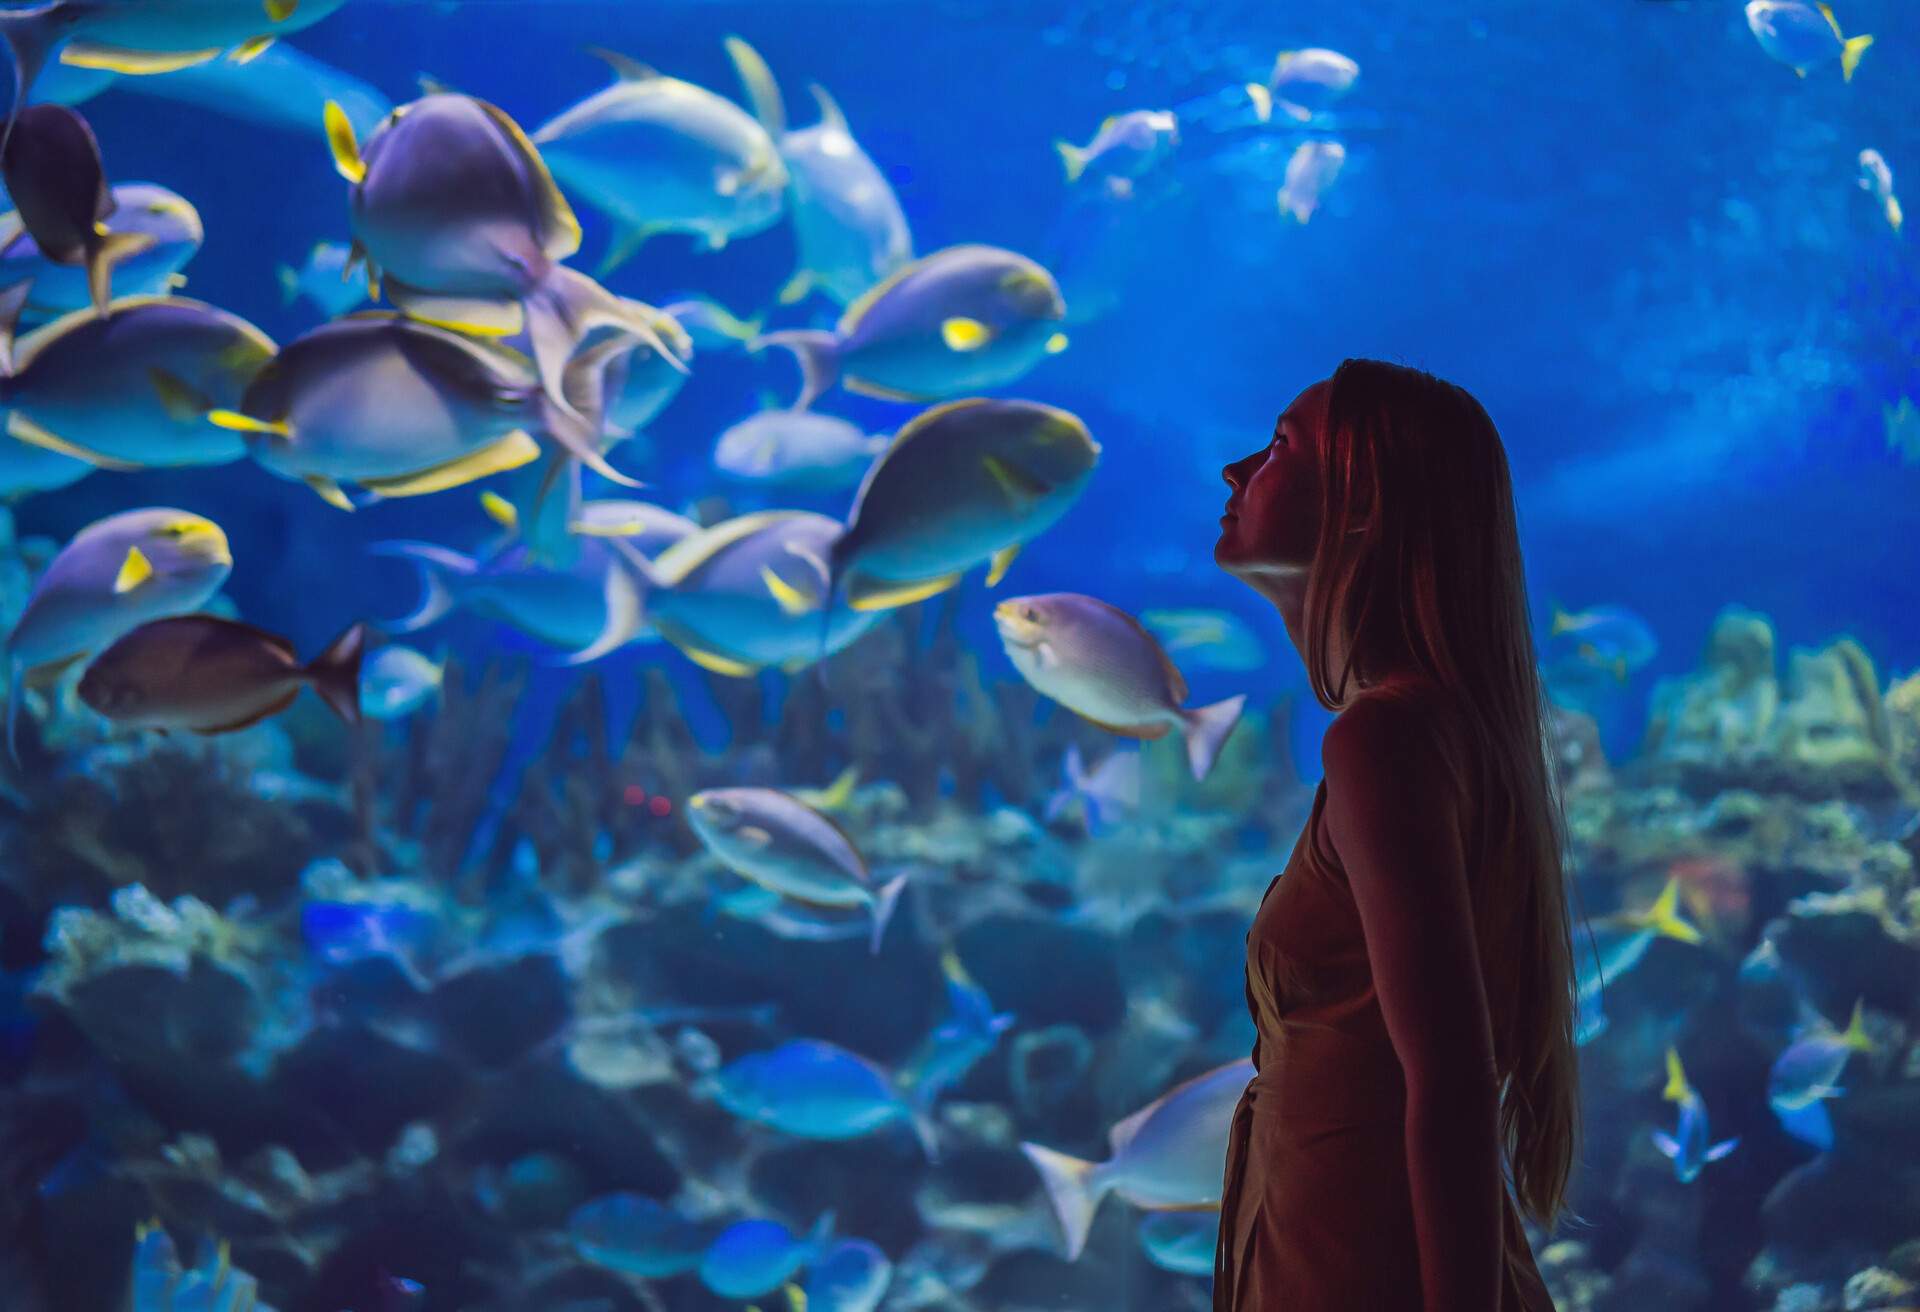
[(1029, 614)]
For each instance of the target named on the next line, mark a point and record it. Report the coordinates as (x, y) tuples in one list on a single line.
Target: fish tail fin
[(289, 279), (1664, 915), (818, 354), (113, 248), (1072, 157), (335, 672), (885, 899), (1676, 1090), (1855, 1034), (31, 35), (1850, 51), (12, 301), (1206, 729), (435, 564), (1072, 1189)]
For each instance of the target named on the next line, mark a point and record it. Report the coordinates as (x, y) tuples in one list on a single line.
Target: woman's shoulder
[(1407, 731)]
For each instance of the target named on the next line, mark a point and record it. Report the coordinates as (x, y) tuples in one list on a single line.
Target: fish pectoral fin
[(26, 430), (718, 664), (134, 570), (250, 49), (235, 422), (345, 147), (500, 510), (888, 595), (1002, 561), (510, 452), (964, 334), (183, 402), (329, 491), (1020, 486), (280, 11), (119, 59), (792, 600)]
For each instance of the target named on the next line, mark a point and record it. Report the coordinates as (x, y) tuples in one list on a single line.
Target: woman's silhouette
[(1410, 971)]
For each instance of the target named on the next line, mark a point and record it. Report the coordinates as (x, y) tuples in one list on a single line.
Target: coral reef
[(385, 1006)]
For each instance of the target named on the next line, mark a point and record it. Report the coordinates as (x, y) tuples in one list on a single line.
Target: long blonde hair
[(1418, 562)]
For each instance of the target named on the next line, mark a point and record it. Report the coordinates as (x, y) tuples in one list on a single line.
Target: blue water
[(1636, 238)]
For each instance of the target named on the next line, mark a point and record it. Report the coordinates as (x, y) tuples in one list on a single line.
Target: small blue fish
[(1106, 794), (325, 279), (1611, 638), (396, 681), (1804, 36), (1622, 941), (799, 449), (757, 1256), (1126, 146), (1803, 1076), (1183, 1242), (813, 1089), (1687, 1146), (634, 1234), (958, 1043), (852, 1276), (1211, 639)]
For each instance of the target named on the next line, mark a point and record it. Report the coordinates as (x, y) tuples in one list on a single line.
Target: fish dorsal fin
[(763, 92), (625, 67), (561, 236), (689, 553), (830, 115)]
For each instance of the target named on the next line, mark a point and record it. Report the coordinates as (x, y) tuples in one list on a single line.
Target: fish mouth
[(1015, 629)]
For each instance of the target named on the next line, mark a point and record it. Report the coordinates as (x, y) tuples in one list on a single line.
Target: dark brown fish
[(59, 188), (211, 675)]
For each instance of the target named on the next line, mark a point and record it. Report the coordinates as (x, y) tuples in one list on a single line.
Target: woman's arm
[(1394, 819)]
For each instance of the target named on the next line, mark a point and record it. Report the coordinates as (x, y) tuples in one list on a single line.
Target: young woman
[(1410, 971)]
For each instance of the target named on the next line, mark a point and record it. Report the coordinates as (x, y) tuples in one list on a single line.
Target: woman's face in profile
[(1272, 518)]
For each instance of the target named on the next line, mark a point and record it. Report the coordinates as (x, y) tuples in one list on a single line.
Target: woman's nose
[(1236, 474)]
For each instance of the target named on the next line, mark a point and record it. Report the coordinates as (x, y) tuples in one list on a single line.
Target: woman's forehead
[(1310, 406)]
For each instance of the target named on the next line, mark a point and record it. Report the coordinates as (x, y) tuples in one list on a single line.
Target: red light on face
[(659, 805), (634, 795)]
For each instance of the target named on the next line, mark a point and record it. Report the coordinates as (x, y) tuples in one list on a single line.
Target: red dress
[(1316, 1209)]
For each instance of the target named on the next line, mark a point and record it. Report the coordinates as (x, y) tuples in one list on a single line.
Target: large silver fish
[(1099, 662), (403, 407), (459, 218), (211, 675), (115, 575), (781, 843), (847, 222), (962, 484), (661, 155), (59, 189), (143, 208), (744, 594), (146, 36), (1172, 1153), (963, 319), (130, 388)]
